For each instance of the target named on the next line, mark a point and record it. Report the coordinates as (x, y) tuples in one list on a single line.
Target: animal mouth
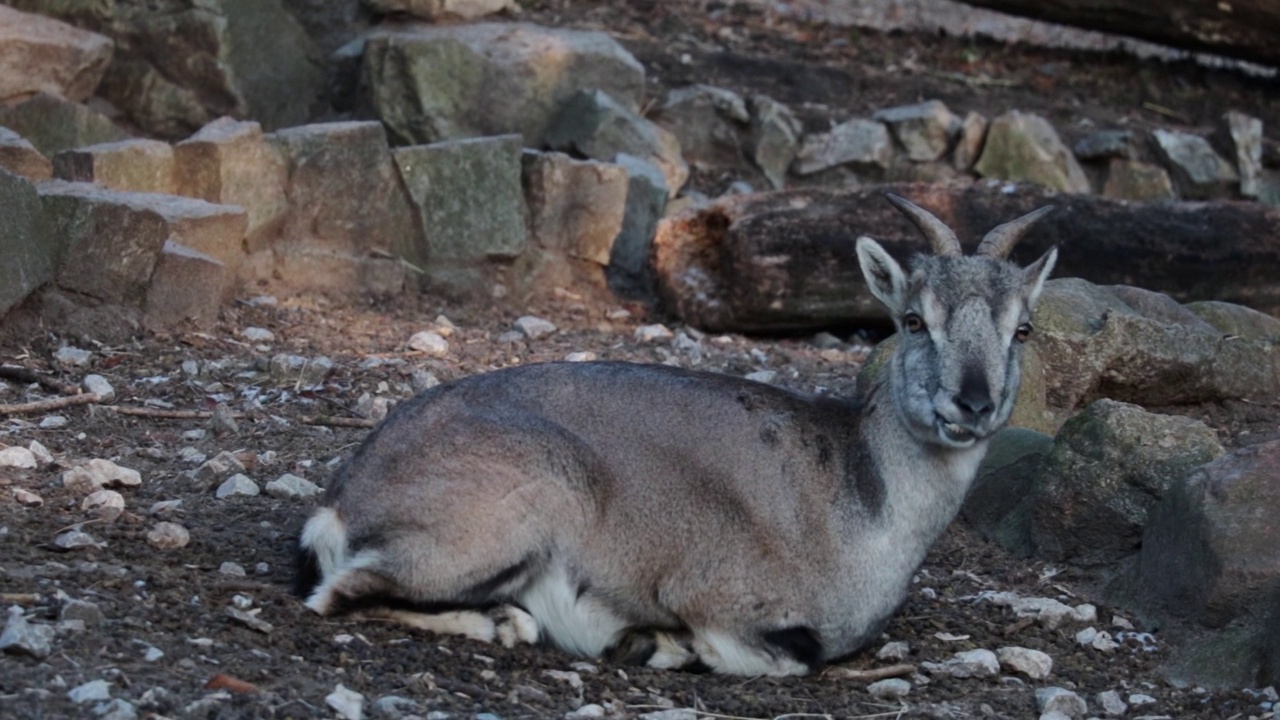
[(954, 433)]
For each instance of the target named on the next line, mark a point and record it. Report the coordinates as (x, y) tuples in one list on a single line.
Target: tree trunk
[(1244, 29), (785, 261)]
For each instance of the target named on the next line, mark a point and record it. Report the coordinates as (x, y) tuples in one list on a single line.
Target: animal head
[(962, 321)]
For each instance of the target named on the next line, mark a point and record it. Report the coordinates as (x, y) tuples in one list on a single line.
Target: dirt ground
[(174, 601)]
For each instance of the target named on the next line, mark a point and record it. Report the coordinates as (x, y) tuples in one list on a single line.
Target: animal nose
[(974, 397)]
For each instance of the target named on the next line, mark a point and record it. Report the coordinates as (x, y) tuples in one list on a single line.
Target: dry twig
[(337, 421), (871, 674), (50, 404)]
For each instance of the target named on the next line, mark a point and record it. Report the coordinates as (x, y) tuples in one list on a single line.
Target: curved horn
[(1002, 238), (941, 238)]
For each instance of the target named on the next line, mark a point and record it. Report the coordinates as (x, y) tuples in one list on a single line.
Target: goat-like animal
[(680, 518)]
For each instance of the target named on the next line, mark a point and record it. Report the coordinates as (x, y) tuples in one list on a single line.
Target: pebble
[(1111, 703), (347, 703), (1032, 663), (653, 333), (76, 539), (238, 484), (296, 369), (262, 569), (586, 712), (153, 654), (1051, 613), (116, 709), (244, 602), (27, 498), (429, 342), (223, 420), (571, 677), (41, 453), (82, 610), (168, 535), (422, 380), (672, 714), (195, 435), (231, 568), (1141, 699), (1056, 699), (969, 663), (97, 474), (257, 334), (53, 422), (534, 328), (106, 504), (889, 689), (894, 651), (22, 638), (98, 384), (219, 466), (90, 691), (394, 706), (289, 486), (249, 620), (763, 376), (68, 355), (585, 356), (18, 457), (1097, 639)]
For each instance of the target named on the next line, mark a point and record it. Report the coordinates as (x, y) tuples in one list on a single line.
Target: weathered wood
[(1243, 29), (785, 261)]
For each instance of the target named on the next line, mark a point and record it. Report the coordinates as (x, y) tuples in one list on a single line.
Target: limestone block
[(857, 142), (20, 157), (1025, 147), (1198, 170), (576, 207), (774, 138), (134, 165), (1136, 180), (53, 124), (41, 54), (926, 130), (186, 287), (30, 252)]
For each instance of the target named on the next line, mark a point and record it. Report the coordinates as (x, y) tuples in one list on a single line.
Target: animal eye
[(1023, 332), (913, 323)]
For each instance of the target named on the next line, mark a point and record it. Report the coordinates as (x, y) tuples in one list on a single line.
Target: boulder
[(187, 287), (348, 216), (576, 209), (440, 9), (1107, 470), (925, 130), (20, 157), (31, 253), (1108, 144), (998, 505), (593, 124), (1136, 180), (863, 144), (53, 124), (1025, 147), (1198, 170), (42, 55), (179, 65), (468, 198), (230, 162), (1237, 321), (429, 83), (629, 273), (1246, 138), (708, 123), (973, 135), (773, 139), (134, 165)]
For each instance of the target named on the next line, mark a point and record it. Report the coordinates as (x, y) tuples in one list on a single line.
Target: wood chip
[(222, 681), (870, 674)]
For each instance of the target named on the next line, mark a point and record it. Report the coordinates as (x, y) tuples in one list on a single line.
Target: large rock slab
[(861, 143), (630, 271), (785, 260), (30, 252), (429, 83), (230, 162), (187, 287), (348, 212), (709, 122), (593, 124), (1108, 468), (774, 138), (40, 54), (134, 165), (1025, 147), (53, 124), (576, 208), (925, 130), (1198, 170), (470, 203), (20, 157)]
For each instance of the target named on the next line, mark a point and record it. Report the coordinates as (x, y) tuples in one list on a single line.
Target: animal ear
[(1034, 275), (883, 274)]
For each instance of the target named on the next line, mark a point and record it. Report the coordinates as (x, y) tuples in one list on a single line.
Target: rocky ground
[(156, 636)]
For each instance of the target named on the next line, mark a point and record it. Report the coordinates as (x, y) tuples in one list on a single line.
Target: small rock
[(18, 457), (195, 435), (90, 691), (584, 356), (534, 328), (423, 380), (430, 343), (27, 498), (249, 620), (223, 421), (1056, 699), (262, 569), (571, 677), (83, 610), (238, 484), (889, 689), (394, 706), (105, 504), (243, 602), (763, 376), (590, 711), (97, 474), (231, 568), (164, 508), (53, 422), (23, 638), (99, 385), (75, 540), (970, 663), (894, 651), (219, 466), (1032, 663), (1141, 699), (73, 356), (257, 334), (653, 333), (41, 453), (153, 654), (168, 536), (347, 703), (1111, 703), (298, 370), (289, 486), (116, 709), (1098, 640)]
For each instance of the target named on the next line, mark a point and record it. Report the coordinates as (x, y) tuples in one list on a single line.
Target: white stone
[(889, 689), (534, 328), (97, 474), (1056, 699), (76, 539), (590, 711), (231, 568), (168, 536), (107, 503), (423, 380), (53, 422), (21, 637), (584, 356), (1111, 703), (153, 654), (894, 651), (100, 386), (289, 486), (116, 709), (1097, 639), (653, 333), (1141, 699), (763, 376), (430, 343), (90, 691), (18, 457), (41, 453), (347, 703), (1032, 663), (238, 484), (27, 498), (73, 356), (257, 334), (970, 663), (672, 714)]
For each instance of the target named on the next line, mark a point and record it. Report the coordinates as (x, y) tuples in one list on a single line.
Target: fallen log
[(1242, 29), (784, 261)]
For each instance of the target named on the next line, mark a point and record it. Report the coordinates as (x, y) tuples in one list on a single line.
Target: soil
[(213, 666)]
